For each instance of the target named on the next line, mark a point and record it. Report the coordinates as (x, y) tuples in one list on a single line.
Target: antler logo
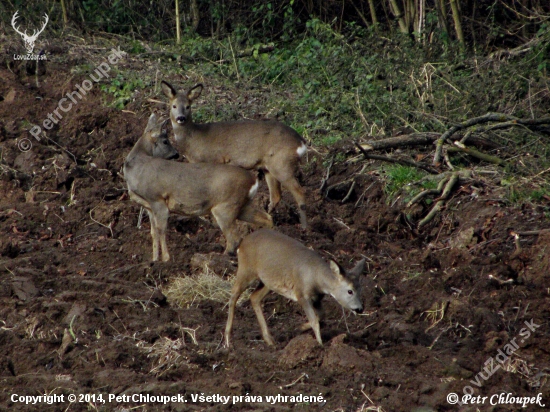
[(29, 40)]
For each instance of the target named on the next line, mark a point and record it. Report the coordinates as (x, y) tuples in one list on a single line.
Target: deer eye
[(187, 107), (174, 106), (350, 292)]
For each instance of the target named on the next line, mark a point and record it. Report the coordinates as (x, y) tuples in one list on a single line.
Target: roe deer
[(287, 267), (162, 186), (267, 145)]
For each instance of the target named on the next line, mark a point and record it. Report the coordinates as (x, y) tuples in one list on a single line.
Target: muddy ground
[(83, 311)]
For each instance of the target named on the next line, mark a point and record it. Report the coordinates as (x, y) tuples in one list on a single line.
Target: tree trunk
[(178, 28), (420, 18), (373, 14), (64, 11), (195, 16), (442, 16), (458, 24), (399, 16), (363, 18)]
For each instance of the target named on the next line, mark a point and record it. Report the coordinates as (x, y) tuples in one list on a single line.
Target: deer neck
[(141, 149), (184, 131), (327, 282), (184, 134)]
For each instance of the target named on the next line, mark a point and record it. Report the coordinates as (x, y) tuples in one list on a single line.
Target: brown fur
[(162, 186), (267, 145), (287, 267)]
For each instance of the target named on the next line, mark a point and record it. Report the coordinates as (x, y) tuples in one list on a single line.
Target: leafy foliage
[(122, 89)]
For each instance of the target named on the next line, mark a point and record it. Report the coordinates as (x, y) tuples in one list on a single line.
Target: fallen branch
[(448, 161), (157, 101), (524, 48), (405, 162), (414, 139), (247, 53), (530, 232), (420, 139), (459, 147), (110, 226), (339, 185), (439, 204), (465, 174), (327, 175), (350, 191), (295, 382), (489, 117), (425, 193)]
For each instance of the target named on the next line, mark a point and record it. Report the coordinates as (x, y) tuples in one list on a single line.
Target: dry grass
[(535, 377), (186, 290), (168, 354)]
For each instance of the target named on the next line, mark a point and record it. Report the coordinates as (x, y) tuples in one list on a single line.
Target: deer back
[(289, 268)]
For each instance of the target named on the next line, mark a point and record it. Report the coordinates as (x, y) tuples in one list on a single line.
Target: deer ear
[(152, 122), (194, 92), (168, 89), (153, 125), (335, 268), (357, 270)]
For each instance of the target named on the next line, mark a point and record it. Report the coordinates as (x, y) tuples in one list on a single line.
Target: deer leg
[(285, 175), (154, 235), (256, 299), (160, 215), (225, 215), (241, 283), (298, 192), (152, 220), (311, 314), (305, 327), (252, 215), (274, 191), (318, 312)]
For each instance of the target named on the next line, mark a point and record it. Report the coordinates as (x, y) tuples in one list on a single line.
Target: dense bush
[(483, 25)]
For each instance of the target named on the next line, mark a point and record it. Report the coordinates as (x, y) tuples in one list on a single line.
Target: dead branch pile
[(449, 142)]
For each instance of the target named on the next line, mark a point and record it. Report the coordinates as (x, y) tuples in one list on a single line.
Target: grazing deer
[(267, 145), (287, 267), (162, 186)]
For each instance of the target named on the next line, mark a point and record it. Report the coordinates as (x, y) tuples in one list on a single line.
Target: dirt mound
[(82, 310)]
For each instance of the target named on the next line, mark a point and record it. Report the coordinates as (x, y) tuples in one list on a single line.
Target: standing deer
[(29, 40), (287, 267), (267, 145), (161, 186)]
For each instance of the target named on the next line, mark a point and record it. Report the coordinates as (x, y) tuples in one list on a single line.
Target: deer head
[(29, 40)]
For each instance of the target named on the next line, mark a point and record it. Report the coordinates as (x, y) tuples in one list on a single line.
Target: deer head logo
[(29, 40)]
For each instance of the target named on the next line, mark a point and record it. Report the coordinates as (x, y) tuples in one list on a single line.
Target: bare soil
[(82, 308)]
